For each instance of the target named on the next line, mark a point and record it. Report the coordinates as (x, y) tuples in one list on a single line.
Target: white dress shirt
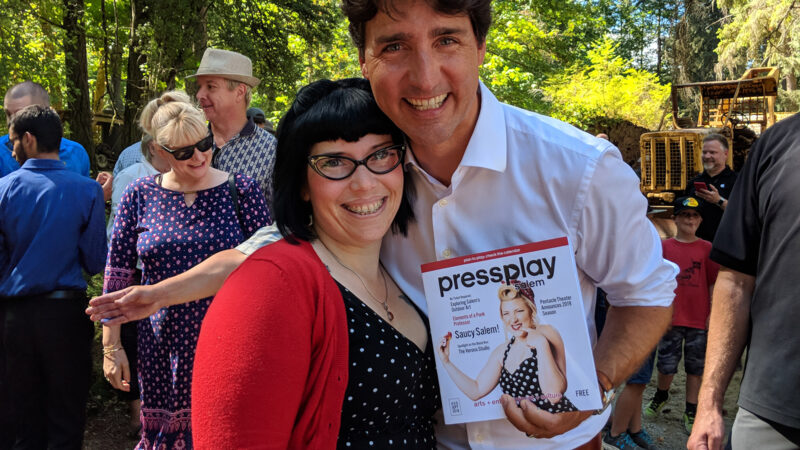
[(526, 178)]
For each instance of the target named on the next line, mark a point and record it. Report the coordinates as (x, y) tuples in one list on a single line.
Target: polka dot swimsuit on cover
[(524, 383), (392, 391)]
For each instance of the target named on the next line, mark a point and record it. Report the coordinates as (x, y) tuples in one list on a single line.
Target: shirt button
[(446, 253), (443, 202)]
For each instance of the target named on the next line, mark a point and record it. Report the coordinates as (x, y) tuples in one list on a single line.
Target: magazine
[(510, 320)]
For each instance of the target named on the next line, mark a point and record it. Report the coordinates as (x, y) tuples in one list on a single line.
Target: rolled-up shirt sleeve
[(263, 236), (617, 246)]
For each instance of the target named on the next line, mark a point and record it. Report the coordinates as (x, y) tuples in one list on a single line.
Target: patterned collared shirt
[(251, 152)]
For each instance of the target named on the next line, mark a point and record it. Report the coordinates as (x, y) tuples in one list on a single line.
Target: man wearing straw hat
[(225, 80)]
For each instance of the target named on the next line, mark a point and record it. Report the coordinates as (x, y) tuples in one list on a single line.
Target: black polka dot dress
[(524, 383), (392, 391)]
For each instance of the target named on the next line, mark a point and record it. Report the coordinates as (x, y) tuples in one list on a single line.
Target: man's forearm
[(629, 335), (202, 280), (727, 334)]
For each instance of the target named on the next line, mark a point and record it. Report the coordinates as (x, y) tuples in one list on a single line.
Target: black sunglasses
[(184, 153), (10, 145), (339, 167)]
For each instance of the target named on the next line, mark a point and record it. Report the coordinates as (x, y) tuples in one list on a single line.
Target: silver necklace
[(385, 302)]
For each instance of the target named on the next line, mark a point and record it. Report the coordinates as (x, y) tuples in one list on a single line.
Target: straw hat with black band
[(227, 64)]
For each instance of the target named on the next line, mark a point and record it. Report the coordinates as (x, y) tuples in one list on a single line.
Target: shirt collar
[(44, 164), (487, 146), (726, 171), (248, 129)]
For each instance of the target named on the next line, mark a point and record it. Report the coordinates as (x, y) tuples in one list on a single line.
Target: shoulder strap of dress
[(235, 198), (508, 347)]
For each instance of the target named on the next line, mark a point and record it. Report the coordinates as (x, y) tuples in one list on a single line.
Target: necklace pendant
[(389, 315)]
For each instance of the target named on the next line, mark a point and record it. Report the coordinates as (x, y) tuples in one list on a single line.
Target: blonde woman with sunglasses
[(173, 221)]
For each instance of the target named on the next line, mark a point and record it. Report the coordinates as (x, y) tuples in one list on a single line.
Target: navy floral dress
[(156, 225)]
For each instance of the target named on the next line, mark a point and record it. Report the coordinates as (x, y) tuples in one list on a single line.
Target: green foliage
[(280, 37), (29, 48), (332, 58), (693, 41), (762, 33), (608, 87), (531, 41)]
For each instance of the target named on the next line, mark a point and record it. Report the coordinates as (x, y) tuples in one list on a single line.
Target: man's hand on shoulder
[(538, 423)]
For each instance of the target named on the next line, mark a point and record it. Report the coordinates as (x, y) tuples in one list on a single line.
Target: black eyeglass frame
[(184, 153), (10, 144), (312, 160)]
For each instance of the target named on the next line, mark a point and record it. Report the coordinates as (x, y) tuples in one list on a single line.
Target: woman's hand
[(534, 338), (125, 305), (443, 349), (116, 368)]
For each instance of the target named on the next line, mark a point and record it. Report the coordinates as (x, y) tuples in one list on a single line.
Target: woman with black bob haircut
[(326, 111), (310, 343)]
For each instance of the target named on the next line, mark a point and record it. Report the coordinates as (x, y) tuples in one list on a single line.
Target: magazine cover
[(510, 321)]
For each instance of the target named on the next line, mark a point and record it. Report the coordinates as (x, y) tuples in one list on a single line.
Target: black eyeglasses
[(184, 153), (339, 167)]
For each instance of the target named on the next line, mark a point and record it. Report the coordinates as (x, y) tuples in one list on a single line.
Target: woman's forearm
[(111, 336), (466, 384), (552, 381), (202, 280)]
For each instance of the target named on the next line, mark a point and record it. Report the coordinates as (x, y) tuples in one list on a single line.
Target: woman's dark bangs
[(347, 114)]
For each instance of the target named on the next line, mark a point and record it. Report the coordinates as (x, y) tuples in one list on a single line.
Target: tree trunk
[(658, 47), (80, 112), (135, 92)]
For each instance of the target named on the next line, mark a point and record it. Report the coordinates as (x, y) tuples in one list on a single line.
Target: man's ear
[(241, 91), (29, 142), (363, 63), (481, 52)]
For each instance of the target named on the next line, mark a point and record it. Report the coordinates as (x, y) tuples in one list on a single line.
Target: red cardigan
[(271, 364)]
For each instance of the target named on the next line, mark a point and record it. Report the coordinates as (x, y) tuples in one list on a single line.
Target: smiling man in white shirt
[(490, 176)]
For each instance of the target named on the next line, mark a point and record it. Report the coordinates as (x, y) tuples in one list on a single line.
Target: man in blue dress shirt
[(71, 154), (51, 227)]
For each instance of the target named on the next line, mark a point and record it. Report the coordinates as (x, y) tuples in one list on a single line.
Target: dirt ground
[(107, 428), (667, 428)]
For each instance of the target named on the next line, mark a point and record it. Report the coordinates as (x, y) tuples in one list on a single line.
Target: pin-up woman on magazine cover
[(530, 365)]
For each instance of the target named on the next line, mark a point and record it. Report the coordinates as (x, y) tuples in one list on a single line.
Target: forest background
[(582, 61)]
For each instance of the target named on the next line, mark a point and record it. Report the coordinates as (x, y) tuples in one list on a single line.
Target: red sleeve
[(255, 337)]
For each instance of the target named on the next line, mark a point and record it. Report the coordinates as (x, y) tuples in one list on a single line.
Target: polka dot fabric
[(170, 237), (392, 391), (524, 383)]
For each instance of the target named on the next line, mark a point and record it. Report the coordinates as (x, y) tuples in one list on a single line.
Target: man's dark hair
[(38, 94), (41, 122), (717, 137), (359, 12), (326, 111)]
